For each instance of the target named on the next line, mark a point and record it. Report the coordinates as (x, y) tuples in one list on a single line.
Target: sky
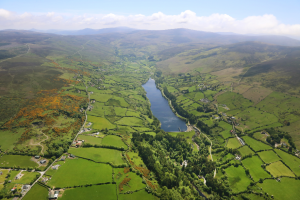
[(276, 17)]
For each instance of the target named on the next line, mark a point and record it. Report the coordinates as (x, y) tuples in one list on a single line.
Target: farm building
[(241, 141), (43, 161), (1, 173), (55, 167), (53, 194), (36, 157), (89, 124), (19, 176), (63, 158), (72, 156)]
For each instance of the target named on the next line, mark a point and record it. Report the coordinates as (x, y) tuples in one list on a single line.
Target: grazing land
[(256, 145), (268, 156), (292, 161), (233, 143), (279, 169), (17, 161), (134, 184), (137, 196), (237, 178), (37, 192), (79, 171), (106, 191), (286, 188), (91, 139), (245, 150), (254, 165), (112, 140), (99, 154)]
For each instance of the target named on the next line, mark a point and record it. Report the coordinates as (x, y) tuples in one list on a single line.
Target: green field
[(245, 150), (233, 143), (135, 158), (80, 172), (254, 165), (112, 140), (120, 111), (100, 123), (8, 138), (255, 145), (226, 132), (238, 180), (17, 161), (90, 139), (37, 192), (287, 188), (140, 195), (95, 192), (99, 154), (134, 184), (268, 156), (279, 169), (292, 161), (27, 177), (130, 121)]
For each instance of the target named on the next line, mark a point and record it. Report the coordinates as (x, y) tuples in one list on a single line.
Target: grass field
[(26, 178), (112, 140), (255, 145), (254, 165), (233, 143), (8, 138), (287, 188), (17, 161), (2, 177), (134, 184), (100, 123), (245, 150), (135, 158), (99, 154), (90, 139), (237, 178), (80, 172), (268, 156), (138, 196), (226, 132), (279, 169), (37, 192), (130, 121), (292, 161), (120, 111), (95, 192)]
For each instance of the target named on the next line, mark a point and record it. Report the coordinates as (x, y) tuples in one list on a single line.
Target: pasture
[(268, 156), (94, 192), (37, 192), (245, 150), (255, 145), (112, 140), (238, 180), (279, 169), (17, 161), (287, 188), (90, 139), (27, 178), (99, 154), (130, 121), (120, 111), (254, 165), (292, 161), (138, 196), (100, 123), (80, 172), (135, 182), (226, 132), (233, 143), (9, 138)]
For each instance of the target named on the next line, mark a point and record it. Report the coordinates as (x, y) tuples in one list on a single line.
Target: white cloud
[(264, 24)]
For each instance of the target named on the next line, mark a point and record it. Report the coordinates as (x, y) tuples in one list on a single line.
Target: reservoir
[(161, 109)]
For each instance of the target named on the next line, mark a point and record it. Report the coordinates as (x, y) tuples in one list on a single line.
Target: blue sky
[(246, 17), (287, 11)]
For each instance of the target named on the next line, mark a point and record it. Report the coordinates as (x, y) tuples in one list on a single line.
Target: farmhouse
[(43, 161), (63, 158), (19, 176), (204, 100), (55, 167)]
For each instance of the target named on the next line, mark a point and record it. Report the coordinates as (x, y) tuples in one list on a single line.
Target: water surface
[(161, 109)]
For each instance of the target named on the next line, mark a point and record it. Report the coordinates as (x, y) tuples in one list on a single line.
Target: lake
[(161, 109)]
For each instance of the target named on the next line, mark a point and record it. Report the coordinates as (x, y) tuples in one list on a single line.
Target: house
[(237, 157), (63, 158), (224, 114), (185, 163), (284, 144), (25, 187), (72, 156), (19, 176), (43, 161), (36, 157), (204, 100), (13, 189), (89, 124), (91, 92), (55, 167)]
